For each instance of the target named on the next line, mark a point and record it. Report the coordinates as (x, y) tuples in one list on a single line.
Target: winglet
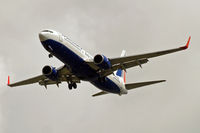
[(187, 45), (8, 80)]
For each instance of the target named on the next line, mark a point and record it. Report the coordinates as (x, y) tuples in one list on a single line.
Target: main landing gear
[(72, 85)]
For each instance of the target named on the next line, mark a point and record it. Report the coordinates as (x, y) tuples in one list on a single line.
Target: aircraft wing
[(148, 55), (63, 72), (132, 61), (27, 81)]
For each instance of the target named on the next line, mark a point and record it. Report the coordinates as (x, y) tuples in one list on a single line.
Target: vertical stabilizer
[(121, 73)]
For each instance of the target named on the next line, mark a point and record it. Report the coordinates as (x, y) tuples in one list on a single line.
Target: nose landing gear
[(50, 55)]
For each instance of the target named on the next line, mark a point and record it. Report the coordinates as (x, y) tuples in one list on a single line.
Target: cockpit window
[(47, 31)]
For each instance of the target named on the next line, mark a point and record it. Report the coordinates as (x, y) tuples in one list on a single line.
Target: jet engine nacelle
[(102, 61), (50, 72)]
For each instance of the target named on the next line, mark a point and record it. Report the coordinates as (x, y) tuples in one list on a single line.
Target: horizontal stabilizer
[(141, 84), (100, 93)]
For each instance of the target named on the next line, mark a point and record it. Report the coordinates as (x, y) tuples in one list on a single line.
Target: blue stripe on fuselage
[(67, 56), (108, 86), (78, 66)]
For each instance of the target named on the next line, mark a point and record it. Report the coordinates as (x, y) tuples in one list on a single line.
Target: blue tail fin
[(121, 73)]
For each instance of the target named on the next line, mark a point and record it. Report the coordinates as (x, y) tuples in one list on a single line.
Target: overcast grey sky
[(106, 27)]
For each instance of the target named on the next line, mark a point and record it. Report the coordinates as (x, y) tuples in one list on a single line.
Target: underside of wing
[(63, 75), (126, 62), (147, 55), (28, 81), (141, 84)]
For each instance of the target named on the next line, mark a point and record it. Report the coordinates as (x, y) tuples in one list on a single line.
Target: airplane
[(107, 74)]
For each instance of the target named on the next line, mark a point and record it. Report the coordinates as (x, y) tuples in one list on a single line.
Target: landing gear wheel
[(50, 55), (70, 86), (74, 85)]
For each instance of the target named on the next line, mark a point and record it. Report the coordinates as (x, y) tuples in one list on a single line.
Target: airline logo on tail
[(122, 73)]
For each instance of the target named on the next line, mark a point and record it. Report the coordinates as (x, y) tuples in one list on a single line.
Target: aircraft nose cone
[(42, 37)]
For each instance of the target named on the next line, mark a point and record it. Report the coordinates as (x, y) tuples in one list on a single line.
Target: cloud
[(3, 76), (3, 72), (105, 27)]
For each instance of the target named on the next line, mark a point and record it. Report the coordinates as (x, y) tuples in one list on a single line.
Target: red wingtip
[(188, 42), (8, 80)]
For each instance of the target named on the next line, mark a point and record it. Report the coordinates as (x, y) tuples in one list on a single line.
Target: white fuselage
[(58, 37)]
